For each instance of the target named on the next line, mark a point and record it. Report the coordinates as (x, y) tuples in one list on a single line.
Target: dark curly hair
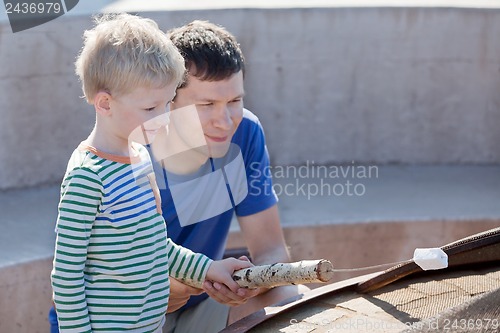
[(210, 52)]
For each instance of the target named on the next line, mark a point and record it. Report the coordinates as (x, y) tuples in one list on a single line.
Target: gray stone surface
[(399, 193)]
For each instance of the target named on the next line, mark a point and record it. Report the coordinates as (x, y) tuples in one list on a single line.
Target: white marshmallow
[(430, 258)]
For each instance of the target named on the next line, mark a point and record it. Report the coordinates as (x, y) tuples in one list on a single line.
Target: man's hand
[(222, 294), (220, 285), (179, 294)]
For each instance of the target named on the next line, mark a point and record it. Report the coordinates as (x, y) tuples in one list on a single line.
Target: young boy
[(112, 257)]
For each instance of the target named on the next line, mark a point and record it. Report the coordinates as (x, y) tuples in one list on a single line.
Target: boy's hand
[(220, 285)]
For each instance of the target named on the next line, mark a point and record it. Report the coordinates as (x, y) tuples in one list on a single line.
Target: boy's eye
[(236, 100), (167, 107)]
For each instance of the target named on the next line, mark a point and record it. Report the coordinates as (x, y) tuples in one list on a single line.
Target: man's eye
[(150, 109), (236, 100)]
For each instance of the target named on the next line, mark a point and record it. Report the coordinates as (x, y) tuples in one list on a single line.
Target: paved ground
[(394, 193)]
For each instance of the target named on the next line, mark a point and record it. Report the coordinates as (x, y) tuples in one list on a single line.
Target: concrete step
[(307, 198)]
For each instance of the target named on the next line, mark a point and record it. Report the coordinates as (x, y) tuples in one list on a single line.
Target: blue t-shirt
[(198, 208)]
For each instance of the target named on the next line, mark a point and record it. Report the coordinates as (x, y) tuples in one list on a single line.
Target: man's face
[(220, 109)]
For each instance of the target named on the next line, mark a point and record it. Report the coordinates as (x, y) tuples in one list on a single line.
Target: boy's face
[(139, 114), (220, 109)]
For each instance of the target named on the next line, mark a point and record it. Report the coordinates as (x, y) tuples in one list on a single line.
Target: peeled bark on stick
[(280, 274)]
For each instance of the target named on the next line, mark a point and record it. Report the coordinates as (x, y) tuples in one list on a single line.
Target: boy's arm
[(193, 268), (185, 265), (79, 204)]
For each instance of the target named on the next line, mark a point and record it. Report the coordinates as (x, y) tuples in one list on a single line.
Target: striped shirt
[(112, 255)]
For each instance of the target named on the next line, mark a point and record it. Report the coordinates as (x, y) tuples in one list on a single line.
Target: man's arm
[(180, 294), (264, 236), (266, 244)]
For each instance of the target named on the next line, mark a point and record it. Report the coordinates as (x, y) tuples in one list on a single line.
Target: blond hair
[(123, 52)]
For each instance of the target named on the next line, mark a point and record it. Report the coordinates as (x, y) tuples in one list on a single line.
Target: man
[(212, 163)]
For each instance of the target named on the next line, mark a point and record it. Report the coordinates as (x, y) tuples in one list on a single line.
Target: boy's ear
[(102, 103)]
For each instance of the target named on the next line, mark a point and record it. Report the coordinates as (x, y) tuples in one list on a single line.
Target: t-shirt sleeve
[(187, 266), (81, 194), (261, 194)]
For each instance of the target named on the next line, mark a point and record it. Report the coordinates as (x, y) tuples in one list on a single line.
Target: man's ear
[(102, 103)]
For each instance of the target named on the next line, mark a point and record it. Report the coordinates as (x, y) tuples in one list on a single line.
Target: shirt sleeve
[(187, 266), (261, 194), (81, 194)]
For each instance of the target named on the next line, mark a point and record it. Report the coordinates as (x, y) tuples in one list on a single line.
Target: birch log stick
[(280, 274)]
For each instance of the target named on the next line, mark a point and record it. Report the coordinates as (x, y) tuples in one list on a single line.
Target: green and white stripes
[(111, 262)]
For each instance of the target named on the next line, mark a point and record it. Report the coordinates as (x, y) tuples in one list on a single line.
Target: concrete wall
[(381, 85)]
